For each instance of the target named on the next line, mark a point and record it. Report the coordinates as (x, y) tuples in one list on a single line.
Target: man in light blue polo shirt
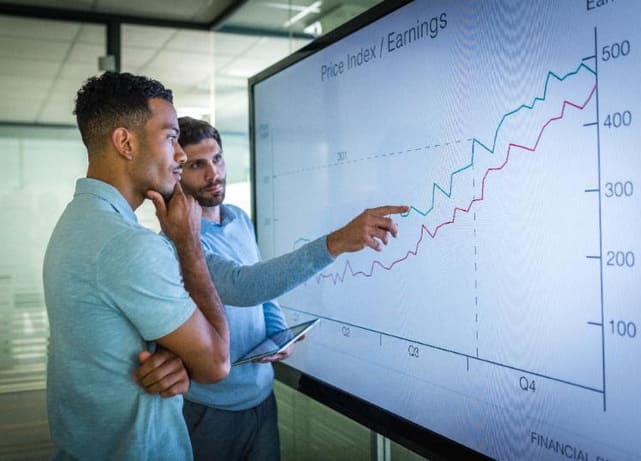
[(113, 288)]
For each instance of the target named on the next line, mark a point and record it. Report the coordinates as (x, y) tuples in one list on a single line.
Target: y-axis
[(598, 150)]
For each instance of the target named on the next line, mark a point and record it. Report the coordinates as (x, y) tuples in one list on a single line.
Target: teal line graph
[(491, 150)]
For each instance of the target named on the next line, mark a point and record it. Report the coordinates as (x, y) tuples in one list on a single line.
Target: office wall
[(40, 169)]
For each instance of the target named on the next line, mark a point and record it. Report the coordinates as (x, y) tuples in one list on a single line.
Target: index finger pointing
[(389, 209)]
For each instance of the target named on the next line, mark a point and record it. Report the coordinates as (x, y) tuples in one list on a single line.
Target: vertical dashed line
[(476, 280)]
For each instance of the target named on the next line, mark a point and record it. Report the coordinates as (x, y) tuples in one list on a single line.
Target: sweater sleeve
[(244, 286), (274, 319)]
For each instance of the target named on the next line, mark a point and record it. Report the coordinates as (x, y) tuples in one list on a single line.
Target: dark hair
[(112, 100), (193, 131)]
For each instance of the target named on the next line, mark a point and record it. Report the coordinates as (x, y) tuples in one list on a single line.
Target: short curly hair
[(193, 131), (112, 100)]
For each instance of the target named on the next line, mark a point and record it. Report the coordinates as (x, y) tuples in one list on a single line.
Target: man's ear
[(123, 142)]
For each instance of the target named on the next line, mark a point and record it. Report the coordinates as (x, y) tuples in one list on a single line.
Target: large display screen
[(506, 316)]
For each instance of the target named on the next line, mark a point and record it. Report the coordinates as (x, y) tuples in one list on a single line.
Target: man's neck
[(213, 213), (118, 180)]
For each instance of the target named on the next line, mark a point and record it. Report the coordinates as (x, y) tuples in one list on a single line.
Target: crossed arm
[(161, 373)]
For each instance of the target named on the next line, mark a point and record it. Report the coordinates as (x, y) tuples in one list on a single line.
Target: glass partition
[(44, 63)]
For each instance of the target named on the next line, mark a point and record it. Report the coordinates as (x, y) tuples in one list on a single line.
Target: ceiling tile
[(65, 87), (221, 61), (233, 44), (30, 89), (192, 41), (192, 99), (175, 77), (146, 36), (184, 62), (85, 53), (134, 59), (22, 67), (274, 48), (12, 26), (226, 83), (246, 67), (92, 34), (78, 71), (47, 50)]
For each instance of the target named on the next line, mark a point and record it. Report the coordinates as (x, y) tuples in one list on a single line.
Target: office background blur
[(205, 51)]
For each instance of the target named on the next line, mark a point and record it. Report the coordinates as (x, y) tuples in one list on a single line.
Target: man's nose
[(179, 154), (212, 171)]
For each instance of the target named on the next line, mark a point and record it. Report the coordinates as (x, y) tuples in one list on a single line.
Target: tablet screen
[(276, 342)]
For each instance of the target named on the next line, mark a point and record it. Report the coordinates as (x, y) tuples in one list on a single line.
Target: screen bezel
[(402, 431)]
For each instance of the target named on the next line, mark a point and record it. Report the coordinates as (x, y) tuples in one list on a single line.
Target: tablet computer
[(276, 342)]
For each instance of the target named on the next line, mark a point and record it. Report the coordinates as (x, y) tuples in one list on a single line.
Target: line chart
[(339, 276), (491, 150), (563, 97)]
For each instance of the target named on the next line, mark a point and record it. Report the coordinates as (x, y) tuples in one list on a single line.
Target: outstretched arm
[(370, 229), (240, 285)]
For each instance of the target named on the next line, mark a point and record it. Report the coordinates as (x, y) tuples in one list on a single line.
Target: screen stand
[(381, 449)]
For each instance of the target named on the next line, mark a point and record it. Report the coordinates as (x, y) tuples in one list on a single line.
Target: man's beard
[(211, 201)]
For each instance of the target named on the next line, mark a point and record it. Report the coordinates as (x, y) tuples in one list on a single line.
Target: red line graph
[(348, 269)]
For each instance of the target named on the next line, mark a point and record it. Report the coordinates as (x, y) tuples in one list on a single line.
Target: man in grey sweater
[(236, 418)]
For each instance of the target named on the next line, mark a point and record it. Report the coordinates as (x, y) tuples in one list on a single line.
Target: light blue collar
[(108, 193)]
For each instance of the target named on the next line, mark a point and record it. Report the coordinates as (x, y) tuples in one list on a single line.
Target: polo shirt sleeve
[(139, 275)]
